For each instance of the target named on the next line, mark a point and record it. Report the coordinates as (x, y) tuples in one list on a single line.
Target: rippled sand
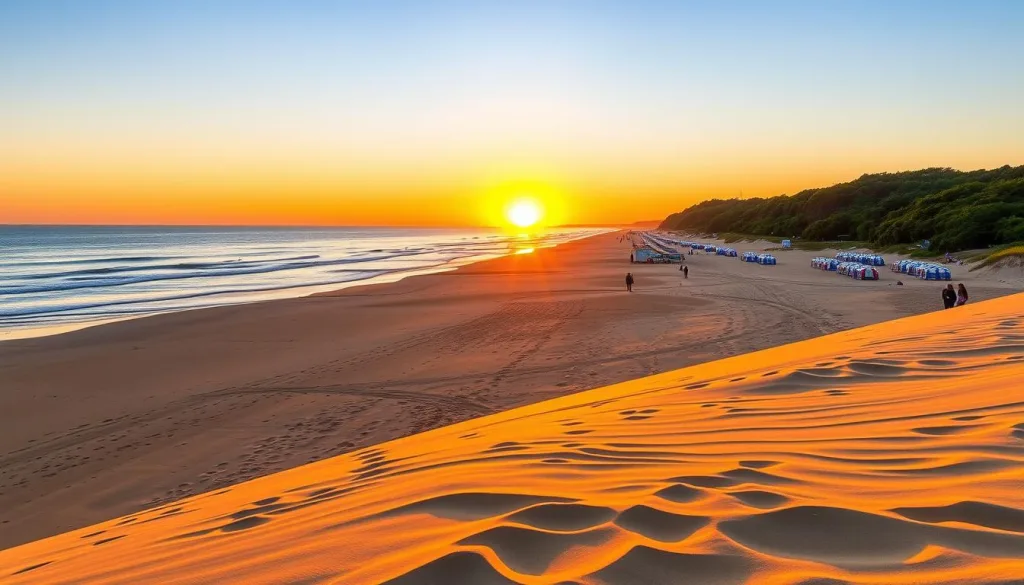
[(891, 454)]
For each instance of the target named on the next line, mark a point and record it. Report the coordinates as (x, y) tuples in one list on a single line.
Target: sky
[(438, 113)]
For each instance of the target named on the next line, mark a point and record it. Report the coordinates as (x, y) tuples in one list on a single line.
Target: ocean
[(58, 278)]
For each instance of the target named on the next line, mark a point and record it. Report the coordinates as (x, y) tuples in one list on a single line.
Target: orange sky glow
[(166, 114)]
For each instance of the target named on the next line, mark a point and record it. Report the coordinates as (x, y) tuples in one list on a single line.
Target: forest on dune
[(955, 210)]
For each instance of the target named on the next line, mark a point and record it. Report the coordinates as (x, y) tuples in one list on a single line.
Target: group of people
[(954, 298), (950, 259)]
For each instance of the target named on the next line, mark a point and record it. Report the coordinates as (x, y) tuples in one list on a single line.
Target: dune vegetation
[(1002, 255), (954, 210)]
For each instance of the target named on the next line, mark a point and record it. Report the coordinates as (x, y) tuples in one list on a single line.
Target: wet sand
[(110, 420)]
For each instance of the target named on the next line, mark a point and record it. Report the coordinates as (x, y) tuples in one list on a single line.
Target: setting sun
[(524, 213)]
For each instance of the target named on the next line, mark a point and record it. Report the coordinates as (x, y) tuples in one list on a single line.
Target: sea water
[(55, 279)]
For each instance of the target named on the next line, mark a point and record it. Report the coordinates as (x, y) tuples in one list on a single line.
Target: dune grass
[(1014, 250)]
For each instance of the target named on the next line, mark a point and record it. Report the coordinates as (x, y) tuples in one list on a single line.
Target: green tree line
[(955, 210)]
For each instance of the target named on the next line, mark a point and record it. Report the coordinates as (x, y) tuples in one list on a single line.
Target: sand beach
[(119, 418), (892, 453)]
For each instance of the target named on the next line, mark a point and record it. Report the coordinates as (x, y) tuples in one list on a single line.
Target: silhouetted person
[(686, 272), (961, 295), (629, 281), (948, 297), (630, 258)]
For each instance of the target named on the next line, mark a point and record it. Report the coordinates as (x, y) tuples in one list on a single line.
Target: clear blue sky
[(680, 99)]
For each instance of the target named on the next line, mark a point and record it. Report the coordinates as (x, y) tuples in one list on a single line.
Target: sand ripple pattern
[(891, 454)]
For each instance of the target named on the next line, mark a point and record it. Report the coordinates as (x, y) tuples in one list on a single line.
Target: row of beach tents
[(859, 258), (857, 265), (854, 270), (922, 270), (654, 250), (857, 271), (764, 259)]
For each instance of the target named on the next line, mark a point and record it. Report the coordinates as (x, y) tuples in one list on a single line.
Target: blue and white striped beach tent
[(710, 248), (845, 268), (766, 259), (730, 252), (823, 263), (934, 272), (861, 258), (910, 266), (749, 257)]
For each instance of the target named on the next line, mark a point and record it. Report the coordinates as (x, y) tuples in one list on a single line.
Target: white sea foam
[(60, 276)]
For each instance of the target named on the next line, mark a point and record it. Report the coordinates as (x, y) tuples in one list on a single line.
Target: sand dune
[(890, 454)]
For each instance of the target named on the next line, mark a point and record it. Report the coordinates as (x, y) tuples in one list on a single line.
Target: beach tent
[(766, 259), (710, 248), (696, 246), (749, 257), (862, 272), (822, 263), (786, 244), (909, 267), (935, 272), (847, 268), (727, 252), (918, 269)]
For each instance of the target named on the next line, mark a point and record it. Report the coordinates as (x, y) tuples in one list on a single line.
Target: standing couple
[(954, 298)]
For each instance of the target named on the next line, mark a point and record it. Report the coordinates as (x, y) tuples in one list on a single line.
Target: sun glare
[(524, 213)]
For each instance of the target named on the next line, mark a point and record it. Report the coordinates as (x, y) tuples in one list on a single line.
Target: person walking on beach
[(686, 272), (629, 281), (948, 297), (961, 295)]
